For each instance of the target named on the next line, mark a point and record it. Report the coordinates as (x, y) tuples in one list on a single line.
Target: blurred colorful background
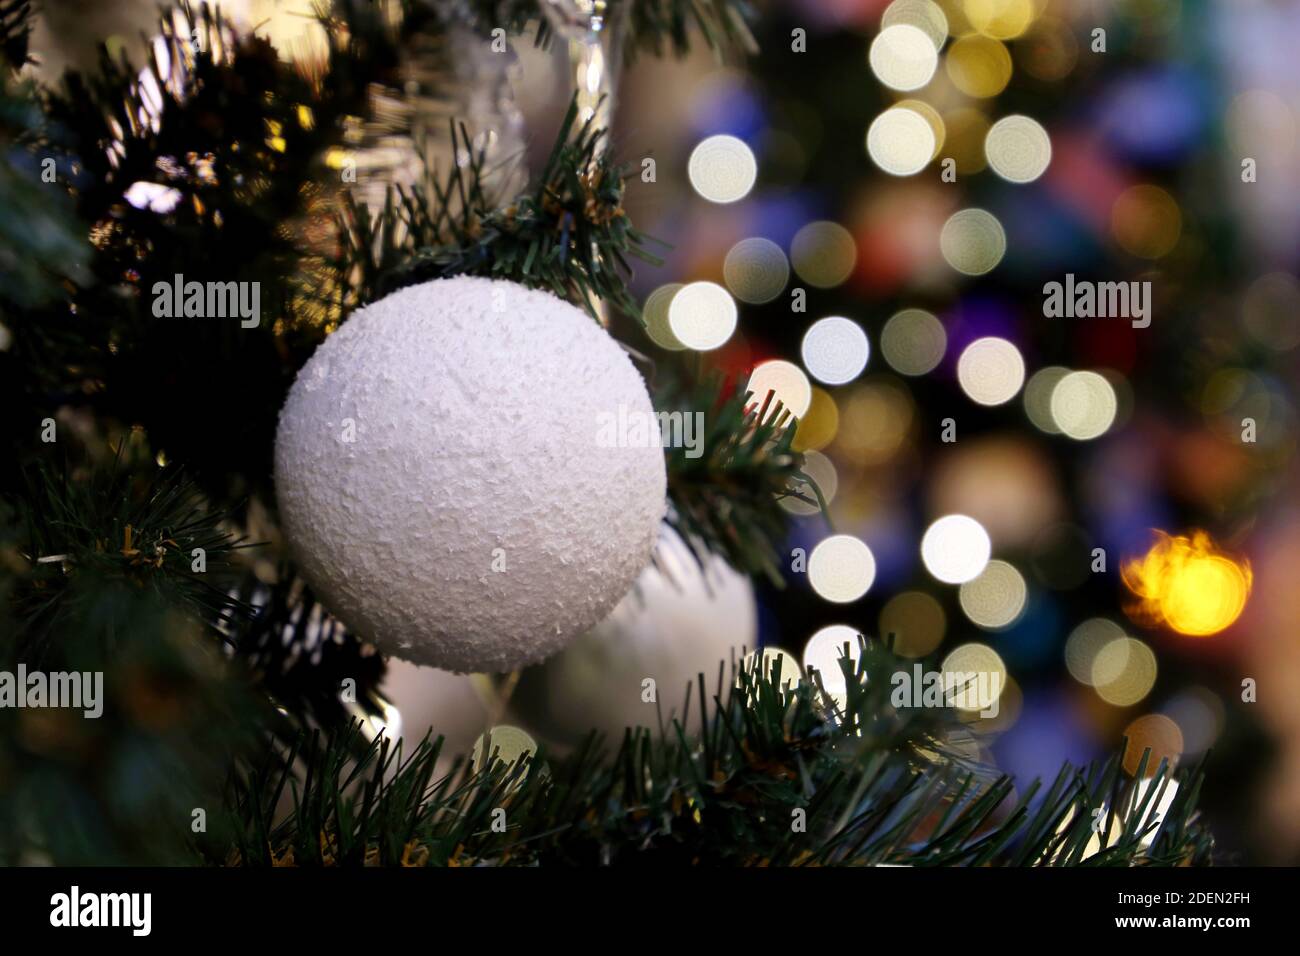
[(818, 170)]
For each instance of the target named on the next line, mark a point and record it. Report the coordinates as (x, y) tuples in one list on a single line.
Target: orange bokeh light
[(1187, 584)]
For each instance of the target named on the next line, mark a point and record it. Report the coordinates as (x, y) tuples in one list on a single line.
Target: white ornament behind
[(441, 482), (674, 625)]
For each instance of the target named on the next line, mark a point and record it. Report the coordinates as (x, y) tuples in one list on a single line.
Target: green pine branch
[(568, 234), (779, 776), (728, 499), (126, 521)]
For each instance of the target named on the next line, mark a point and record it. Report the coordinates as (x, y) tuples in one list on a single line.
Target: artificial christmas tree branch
[(728, 498), (568, 234), (778, 776)]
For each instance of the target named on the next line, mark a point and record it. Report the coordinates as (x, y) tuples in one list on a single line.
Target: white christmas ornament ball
[(676, 623), (444, 483)]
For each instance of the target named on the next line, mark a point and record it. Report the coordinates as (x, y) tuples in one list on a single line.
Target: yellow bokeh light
[(996, 598), (931, 116), (823, 254), (925, 15), (916, 622), (1124, 672), (1000, 19), (913, 341), (655, 314), (819, 424), (1187, 584), (979, 66), (756, 270)]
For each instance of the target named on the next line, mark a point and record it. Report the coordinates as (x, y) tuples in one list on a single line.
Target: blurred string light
[(152, 196), (874, 421), (979, 659), (1038, 397), (722, 169), (901, 141), (1124, 671), (826, 649), (972, 241), (823, 254), (1018, 149), (756, 270), (913, 342), (1085, 643), (916, 621), (1146, 221), (903, 57), (1154, 732), (931, 116), (1000, 19), (819, 424), (787, 382), (503, 742), (925, 15), (702, 316), (841, 568), (955, 549), (835, 350), (655, 313), (996, 598), (990, 371), (978, 65), (822, 471), (1083, 405), (1187, 584)]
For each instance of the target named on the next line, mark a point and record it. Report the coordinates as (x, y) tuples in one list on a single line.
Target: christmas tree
[(309, 380)]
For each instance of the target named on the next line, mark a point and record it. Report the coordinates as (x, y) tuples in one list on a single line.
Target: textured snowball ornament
[(443, 480), (676, 623)]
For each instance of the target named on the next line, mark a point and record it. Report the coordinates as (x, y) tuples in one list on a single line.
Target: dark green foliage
[(568, 234), (728, 498), (873, 784), (144, 527)]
